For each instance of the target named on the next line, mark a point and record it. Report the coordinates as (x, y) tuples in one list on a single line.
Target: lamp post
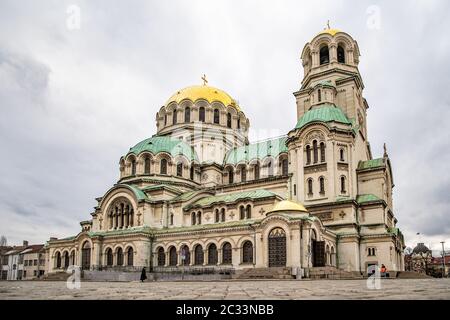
[(443, 259)]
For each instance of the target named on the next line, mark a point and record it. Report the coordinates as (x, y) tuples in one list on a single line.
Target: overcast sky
[(75, 97)]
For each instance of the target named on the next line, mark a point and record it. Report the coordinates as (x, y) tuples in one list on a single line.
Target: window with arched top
[(201, 114), (161, 257), (133, 167), (58, 260), (238, 123), (217, 215), (109, 257), (308, 154), (119, 257), (229, 120), (216, 116), (193, 218), (172, 256), (322, 152), (163, 167), (322, 185), (324, 55), (241, 212), (165, 120), (186, 254), (199, 217), (256, 169), (319, 95), (247, 252), (230, 175), (315, 151), (198, 255), (310, 186), (248, 212), (187, 114), (340, 54), (212, 254), (341, 155), (343, 184), (269, 169), (222, 215), (180, 169), (284, 167), (147, 165), (174, 117), (243, 174), (171, 219), (226, 253), (130, 255)]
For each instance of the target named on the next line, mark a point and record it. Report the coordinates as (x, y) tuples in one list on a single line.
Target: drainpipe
[(301, 247)]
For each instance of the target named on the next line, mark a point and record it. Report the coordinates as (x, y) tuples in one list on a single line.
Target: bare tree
[(3, 241)]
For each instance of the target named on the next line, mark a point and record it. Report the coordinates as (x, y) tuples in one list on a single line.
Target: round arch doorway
[(277, 248), (86, 256)]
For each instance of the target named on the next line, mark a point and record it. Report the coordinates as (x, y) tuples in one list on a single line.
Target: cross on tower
[(204, 80), (328, 24)]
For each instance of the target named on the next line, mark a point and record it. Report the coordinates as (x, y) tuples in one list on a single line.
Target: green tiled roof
[(363, 198), (325, 113), (162, 186), (326, 83), (370, 164), (257, 150), (208, 226), (185, 196), (157, 144), (144, 229), (233, 197), (140, 195)]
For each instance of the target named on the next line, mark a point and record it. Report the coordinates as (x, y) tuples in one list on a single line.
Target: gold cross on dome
[(204, 80), (328, 24)]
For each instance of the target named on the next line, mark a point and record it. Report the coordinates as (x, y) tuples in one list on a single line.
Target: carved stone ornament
[(314, 135)]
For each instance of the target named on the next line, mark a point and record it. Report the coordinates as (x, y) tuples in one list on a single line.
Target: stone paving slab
[(232, 289)]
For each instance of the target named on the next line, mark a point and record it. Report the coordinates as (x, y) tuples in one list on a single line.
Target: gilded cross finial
[(204, 80), (328, 24), (385, 151)]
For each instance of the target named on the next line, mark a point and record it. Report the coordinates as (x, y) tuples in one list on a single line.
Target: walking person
[(143, 275)]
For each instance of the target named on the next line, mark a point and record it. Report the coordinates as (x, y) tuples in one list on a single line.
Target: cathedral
[(198, 195)]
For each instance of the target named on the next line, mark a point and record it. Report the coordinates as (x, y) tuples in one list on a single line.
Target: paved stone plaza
[(319, 289)]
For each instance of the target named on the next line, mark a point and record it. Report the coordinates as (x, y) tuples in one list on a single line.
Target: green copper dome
[(325, 113), (157, 144)]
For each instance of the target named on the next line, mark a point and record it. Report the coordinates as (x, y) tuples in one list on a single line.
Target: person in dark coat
[(143, 275)]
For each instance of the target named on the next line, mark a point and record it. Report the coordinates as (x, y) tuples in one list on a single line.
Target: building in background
[(419, 260), (23, 262), (33, 262), (4, 262)]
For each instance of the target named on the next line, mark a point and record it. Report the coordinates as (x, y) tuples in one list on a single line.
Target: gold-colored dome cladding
[(205, 92), (288, 205)]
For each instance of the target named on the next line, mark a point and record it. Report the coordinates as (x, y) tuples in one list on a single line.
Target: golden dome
[(330, 31), (206, 92), (288, 205)]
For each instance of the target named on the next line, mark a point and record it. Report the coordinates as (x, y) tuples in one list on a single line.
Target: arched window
[(241, 212), (212, 254), (172, 256), (133, 167), (319, 95), (238, 123), (343, 184), (130, 253), (322, 152), (256, 171), (58, 260), (310, 186), (109, 257), (324, 55), (161, 257), (180, 169), (163, 169), (340, 54), (72, 257), (191, 172), (269, 169), (217, 215), (216, 116), (341, 155), (308, 154), (187, 115), (322, 185), (86, 256), (243, 174), (147, 165), (284, 167), (186, 254), (315, 151), (226, 253), (248, 212), (66, 260), (198, 252), (222, 215), (199, 217), (174, 117), (165, 120), (193, 218), (229, 120), (201, 114), (247, 252), (230, 176), (171, 219), (119, 257)]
